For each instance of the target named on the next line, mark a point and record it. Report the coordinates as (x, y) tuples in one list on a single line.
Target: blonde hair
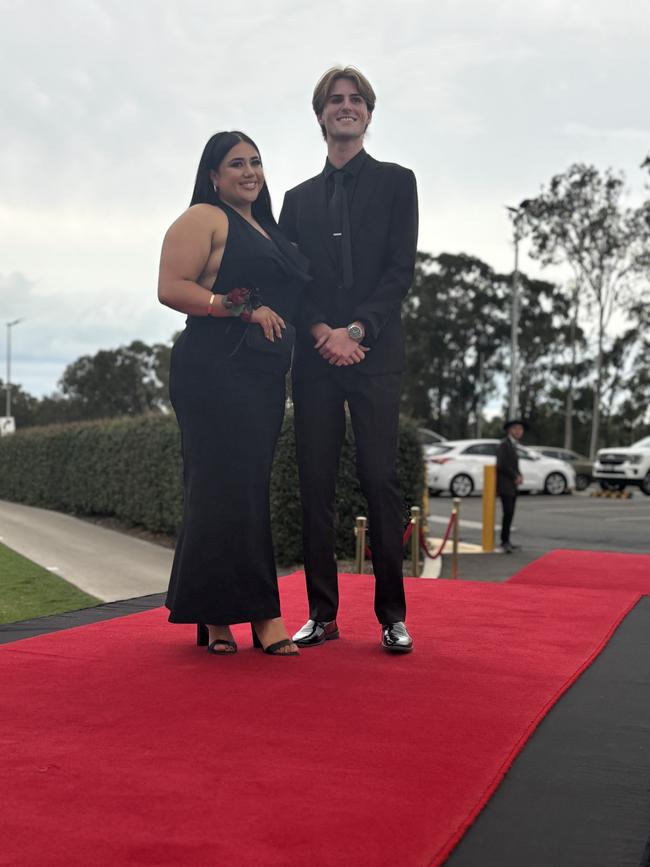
[(324, 86)]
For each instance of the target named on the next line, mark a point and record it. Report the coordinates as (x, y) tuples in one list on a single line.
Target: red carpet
[(123, 744), (595, 569)]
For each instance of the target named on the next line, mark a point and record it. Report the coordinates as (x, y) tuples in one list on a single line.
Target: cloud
[(56, 329), (630, 134), (110, 104)]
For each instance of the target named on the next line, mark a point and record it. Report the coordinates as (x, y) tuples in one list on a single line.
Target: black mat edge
[(80, 617)]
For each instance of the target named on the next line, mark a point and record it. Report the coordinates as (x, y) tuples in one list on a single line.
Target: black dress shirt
[(352, 171)]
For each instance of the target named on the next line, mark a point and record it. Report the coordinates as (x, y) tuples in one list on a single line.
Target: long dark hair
[(213, 155)]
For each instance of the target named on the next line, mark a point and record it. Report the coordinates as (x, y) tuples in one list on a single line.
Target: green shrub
[(130, 469)]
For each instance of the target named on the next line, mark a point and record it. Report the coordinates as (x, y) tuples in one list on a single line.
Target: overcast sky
[(106, 106)]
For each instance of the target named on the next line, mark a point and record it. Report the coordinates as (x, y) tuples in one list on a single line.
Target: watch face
[(355, 332)]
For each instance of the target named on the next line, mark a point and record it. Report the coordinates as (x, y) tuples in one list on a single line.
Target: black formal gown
[(229, 399)]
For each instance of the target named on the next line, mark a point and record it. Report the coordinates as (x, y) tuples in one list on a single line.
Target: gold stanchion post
[(489, 504), (415, 540), (360, 533), (456, 537), (425, 494)]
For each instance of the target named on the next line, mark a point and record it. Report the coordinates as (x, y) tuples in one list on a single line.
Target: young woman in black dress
[(225, 264)]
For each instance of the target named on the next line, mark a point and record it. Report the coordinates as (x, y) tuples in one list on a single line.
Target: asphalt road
[(543, 523)]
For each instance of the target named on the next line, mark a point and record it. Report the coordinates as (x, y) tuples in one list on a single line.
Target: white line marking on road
[(580, 511), (474, 525)]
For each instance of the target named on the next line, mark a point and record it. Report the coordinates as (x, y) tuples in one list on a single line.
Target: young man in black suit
[(509, 478), (357, 223)]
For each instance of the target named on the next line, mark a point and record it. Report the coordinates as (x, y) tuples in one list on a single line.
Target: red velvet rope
[(423, 541)]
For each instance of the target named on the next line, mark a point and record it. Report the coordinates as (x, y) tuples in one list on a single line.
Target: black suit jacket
[(507, 468), (383, 231)]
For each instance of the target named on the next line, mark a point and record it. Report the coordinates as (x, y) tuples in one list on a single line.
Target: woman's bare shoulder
[(204, 218), (205, 214)]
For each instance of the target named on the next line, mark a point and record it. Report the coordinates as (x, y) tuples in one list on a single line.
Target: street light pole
[(10, 325), (513, 404)]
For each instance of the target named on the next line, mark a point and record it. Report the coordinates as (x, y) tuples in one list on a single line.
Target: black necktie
[(340, 224)]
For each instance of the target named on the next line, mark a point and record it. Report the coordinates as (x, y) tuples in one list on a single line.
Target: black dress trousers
[(508, 503), (373, 402)]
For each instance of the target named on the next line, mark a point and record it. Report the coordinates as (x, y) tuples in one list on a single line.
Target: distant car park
[(583, 467), (456, 467)]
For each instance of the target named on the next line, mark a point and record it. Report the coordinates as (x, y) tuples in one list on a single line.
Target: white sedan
[(456, 466)]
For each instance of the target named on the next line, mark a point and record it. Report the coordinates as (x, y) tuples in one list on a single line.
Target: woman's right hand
[(269, 321)]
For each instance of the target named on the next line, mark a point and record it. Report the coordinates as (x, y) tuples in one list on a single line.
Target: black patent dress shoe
[(395, 638), (316, 632)]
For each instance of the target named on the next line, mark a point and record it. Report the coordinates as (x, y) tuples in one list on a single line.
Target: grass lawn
[(28, 590)]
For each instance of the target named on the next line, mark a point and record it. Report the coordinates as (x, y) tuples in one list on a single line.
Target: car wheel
[(555, 484), (645, 485), (607, 485), (582, 482), (461, 485)]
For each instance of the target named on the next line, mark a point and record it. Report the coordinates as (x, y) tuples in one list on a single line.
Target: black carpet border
[(81, 617)]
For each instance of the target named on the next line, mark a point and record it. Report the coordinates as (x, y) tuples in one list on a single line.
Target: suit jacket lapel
[(365, 190)]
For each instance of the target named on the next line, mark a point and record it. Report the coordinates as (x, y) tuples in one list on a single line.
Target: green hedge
[(130, 468)]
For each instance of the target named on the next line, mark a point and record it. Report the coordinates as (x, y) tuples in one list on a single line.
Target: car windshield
[(642, 444)]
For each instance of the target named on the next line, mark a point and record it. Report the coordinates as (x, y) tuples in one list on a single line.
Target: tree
[(54, 409), (643, 227), (628, 366), (126, 381), (22, 403), (457, 325), (454, 317), (545, 326), (580, 220)]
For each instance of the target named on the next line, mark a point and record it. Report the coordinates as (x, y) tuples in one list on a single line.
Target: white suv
[(616, 468)]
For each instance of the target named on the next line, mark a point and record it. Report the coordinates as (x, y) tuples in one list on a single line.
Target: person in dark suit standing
[(357, 222), (509, 478)]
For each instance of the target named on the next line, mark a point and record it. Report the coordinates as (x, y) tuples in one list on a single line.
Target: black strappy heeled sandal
[(273, 649), (203, 640), (222, 642)]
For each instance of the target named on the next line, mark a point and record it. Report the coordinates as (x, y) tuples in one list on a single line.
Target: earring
[(215, 187)]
